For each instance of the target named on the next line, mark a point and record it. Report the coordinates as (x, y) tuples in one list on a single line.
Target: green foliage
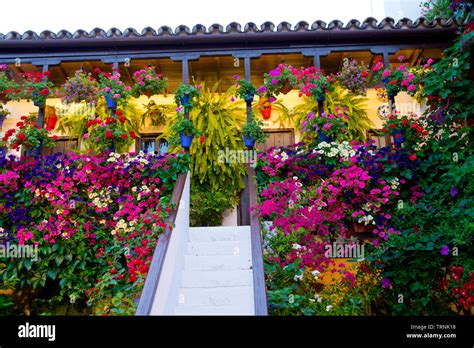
[(218, 119), (253, 129), (208, 206), (339, 100), (187, 94), (184, 126), (157, 113)]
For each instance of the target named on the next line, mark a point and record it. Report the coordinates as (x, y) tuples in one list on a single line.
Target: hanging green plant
[(157, 113)]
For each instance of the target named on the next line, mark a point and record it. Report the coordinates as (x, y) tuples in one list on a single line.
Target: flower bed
[(94, 220)]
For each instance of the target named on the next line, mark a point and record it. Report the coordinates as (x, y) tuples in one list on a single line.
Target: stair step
[(232, 248), (208, 279), (219, 233), (221, 296), (217, 263), (215, 310)]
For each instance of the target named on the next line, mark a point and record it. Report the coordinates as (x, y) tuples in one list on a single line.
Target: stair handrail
[(148, 293), (259, 289)]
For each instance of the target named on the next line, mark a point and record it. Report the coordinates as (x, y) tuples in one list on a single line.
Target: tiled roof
[(235, 28)]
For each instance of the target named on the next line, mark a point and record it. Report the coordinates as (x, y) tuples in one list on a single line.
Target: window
[(149, 143)]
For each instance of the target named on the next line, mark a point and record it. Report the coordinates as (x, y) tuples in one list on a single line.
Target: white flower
[(298, 277), (328, 308), (315, 274), (318, 298), (296, 246)]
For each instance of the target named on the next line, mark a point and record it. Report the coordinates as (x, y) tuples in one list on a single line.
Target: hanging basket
[(3, 98), (111, 103), (286, 87), (147, 92), (249, 142), (266, 112), (360, 227)]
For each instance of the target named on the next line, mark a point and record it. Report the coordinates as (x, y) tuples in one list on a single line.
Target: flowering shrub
[(94, 219), (9, 89), (407, 130), (330, 127), (313, 83), (37, 87), (148, 82), (28, 134), (280, 77), (398, 78), (81, 87), (109, 134), (112, 87), (353, 77)]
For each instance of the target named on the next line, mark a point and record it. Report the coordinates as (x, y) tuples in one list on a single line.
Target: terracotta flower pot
[(286, 87), (360, 227), (148, 93)]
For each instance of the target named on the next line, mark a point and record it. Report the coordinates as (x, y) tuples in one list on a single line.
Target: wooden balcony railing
[(260, 293), (151, 283)]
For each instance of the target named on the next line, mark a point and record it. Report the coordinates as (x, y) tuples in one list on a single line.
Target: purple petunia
[(385, 283), (453, 191), (444, 250)]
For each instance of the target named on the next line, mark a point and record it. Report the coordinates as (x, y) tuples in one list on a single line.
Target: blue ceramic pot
[(249, 142), (323, 137), (184, 100), (111, 102), (321, 99), (186, 140), (249, 98)]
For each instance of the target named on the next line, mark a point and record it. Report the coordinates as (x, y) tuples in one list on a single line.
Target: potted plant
[(29, 135), (3, 114), (185, 96), (265, 106), (404, 129), (253, 132), (8, 89), (353, 77), (50, 118), (245, 89), (328, 127), (112, 88), (313, 83), (397, 78), (109, 134), (281, 79), (148, 82), (37, 87), (186, 130), (82, 87)]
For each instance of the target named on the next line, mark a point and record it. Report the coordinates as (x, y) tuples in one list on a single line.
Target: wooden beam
[(415, 56)]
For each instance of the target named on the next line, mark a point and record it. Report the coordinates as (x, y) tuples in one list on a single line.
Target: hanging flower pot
[(360, 227), (2, 118), (398, 136), (186, 140), (148, 93), (321, 98), (266, 112), (323, 137), (35, 103), (51, 122), (286, 87), (184, 99), (249, 98), (3, 98), (111, 102), (249, 142)]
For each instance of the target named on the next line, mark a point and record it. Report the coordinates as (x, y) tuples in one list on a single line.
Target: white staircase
[(217, 274)]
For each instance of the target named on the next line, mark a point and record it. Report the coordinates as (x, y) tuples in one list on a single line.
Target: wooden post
[(247, 78), (41, 109)]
